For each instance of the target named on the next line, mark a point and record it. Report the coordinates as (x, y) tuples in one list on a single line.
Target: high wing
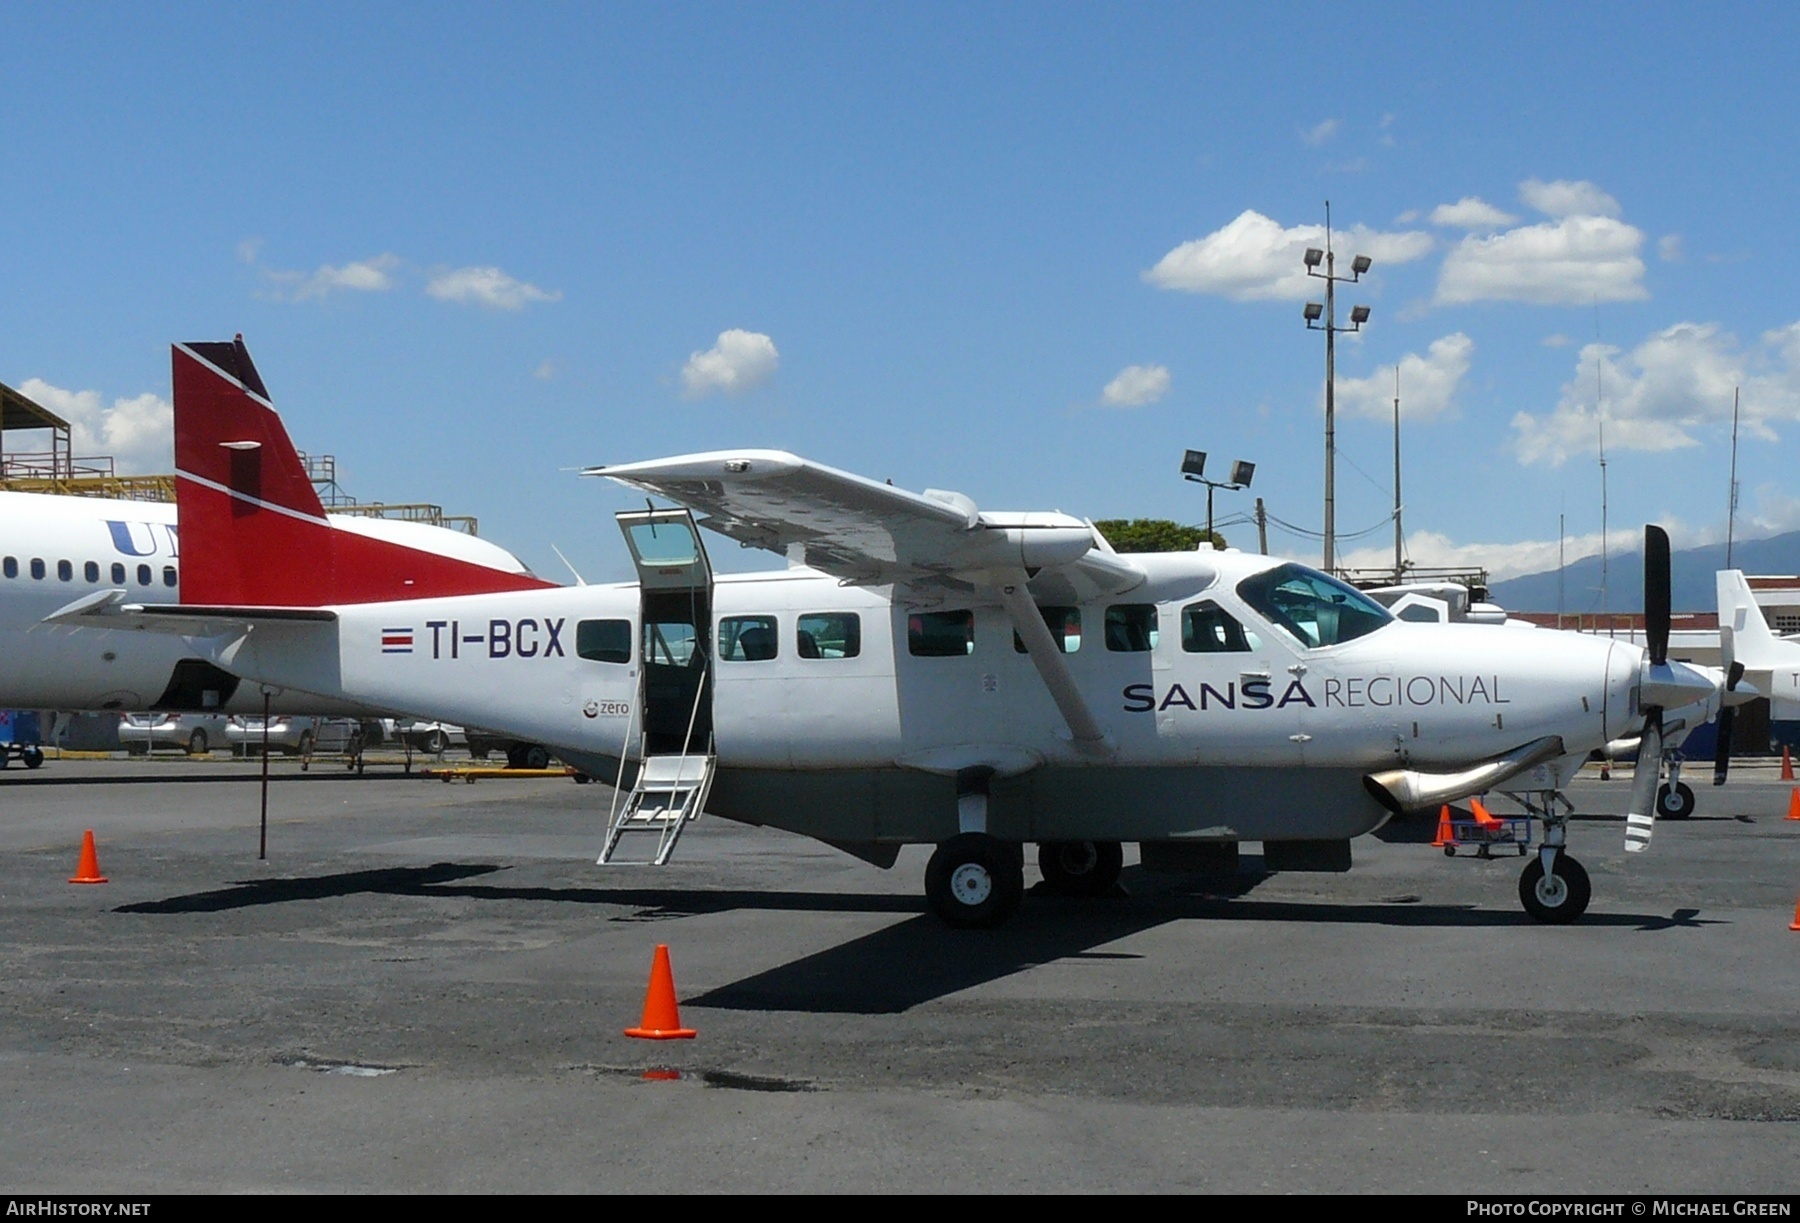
[(870, 534)]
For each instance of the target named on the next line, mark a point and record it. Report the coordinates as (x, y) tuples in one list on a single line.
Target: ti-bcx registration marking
[(523, 638)]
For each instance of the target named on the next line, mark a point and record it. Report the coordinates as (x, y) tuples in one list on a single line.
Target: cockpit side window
[(1207, 628), (1315, 609)]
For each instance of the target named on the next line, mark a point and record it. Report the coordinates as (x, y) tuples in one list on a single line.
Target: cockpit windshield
[(1317, 610)]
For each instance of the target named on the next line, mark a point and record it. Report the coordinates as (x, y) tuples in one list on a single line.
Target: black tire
[(1560, 899), (536, 756), (197, 744), (1080, 868), (437, 743), (974, 881), (1677, 804), (515, 755), (33, 757)]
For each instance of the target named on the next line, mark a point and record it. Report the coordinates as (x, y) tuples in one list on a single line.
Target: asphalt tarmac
[(424, 987)]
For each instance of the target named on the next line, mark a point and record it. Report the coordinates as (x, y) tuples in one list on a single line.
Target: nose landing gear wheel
[(974, 881), (1559, 897), (1674, 804), (1080, 868)]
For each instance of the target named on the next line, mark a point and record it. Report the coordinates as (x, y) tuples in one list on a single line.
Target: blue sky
[(472, 247)]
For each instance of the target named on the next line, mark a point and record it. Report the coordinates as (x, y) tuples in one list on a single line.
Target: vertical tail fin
[(252, 528), (1751, 641)]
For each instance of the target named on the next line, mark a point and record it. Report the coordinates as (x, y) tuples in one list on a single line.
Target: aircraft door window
[(747, 638), (37, 568), (1317, 610), (1131, 628), (603, 640), (949, 634), (65, 571), (1064, 624), (1207, 628), (91, 571), (143, 575), (828, 635), (10, 566), (118, 574)]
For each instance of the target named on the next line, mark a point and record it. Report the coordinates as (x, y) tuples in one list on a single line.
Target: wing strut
[(1047, 657)]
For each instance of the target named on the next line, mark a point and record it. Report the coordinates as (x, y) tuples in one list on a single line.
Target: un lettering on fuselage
[(1352, 692)]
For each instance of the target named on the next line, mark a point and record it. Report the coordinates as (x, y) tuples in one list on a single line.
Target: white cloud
[(1558, 340), (139, 433), (487, 286), (1256, 258), (1471, 212), (740, 361), (1428, 383), (1572, 261), (363, 276), (1567, 198), (1669, 249), (1137, 385), (1319, 133), (1678, 380)]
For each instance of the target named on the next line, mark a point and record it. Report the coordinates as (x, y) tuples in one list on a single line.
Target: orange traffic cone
[(1483, 816), (1794, 804), (662, 1020), (1446, 835), (88, 870), (1795, 924), (1606, 768), (1787, 764)]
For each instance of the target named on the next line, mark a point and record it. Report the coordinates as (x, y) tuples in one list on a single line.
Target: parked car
[(291, 735), (193, 733)]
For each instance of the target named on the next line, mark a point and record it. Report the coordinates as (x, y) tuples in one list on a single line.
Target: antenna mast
[(1600, 418), (1399, 564), (1731, 508)]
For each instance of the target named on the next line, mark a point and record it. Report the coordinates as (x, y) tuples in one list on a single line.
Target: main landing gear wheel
[(1080, 868), (975, 881), (1675, 804), (1559, 897)]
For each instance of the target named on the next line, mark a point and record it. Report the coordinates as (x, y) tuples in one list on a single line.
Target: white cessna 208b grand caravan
[(923, 672)]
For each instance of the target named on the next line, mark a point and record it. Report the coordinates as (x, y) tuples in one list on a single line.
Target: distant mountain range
[(1692, 584)]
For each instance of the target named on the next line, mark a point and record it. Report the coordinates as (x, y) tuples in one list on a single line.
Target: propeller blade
[(1722, 753), (1734, 671), (1656, 593), (1640, 816)]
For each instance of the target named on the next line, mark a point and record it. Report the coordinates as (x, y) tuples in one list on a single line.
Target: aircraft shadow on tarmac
[(917, 960)]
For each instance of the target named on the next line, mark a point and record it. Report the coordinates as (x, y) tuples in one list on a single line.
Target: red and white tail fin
[(252, 529)]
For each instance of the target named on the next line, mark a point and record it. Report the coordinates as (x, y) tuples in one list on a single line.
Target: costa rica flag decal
[(396, 641)]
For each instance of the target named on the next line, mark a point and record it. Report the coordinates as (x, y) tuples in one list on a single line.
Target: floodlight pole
[(1330, 328)]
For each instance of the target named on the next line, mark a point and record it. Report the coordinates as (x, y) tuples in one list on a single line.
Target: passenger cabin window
[(10, 566), (747, 638), (65, 571), (37, 568), (169, 578), (1317, 610), (91, 571), (143, 575), (603, 640), (1207, 628), (1064, 624), (948, 634), (118, 574), (828, 635), (1131, 628)]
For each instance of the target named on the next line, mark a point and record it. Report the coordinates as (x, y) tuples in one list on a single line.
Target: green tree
[(1153, 535)]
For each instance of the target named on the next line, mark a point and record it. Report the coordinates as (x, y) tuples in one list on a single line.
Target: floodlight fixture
[(1314, 311), (1358, 315), (1360, 265), (1193, 463), (1241, 473), (1313, 256)]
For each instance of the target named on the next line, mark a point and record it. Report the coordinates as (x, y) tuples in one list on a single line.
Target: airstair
[(670, 792)]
